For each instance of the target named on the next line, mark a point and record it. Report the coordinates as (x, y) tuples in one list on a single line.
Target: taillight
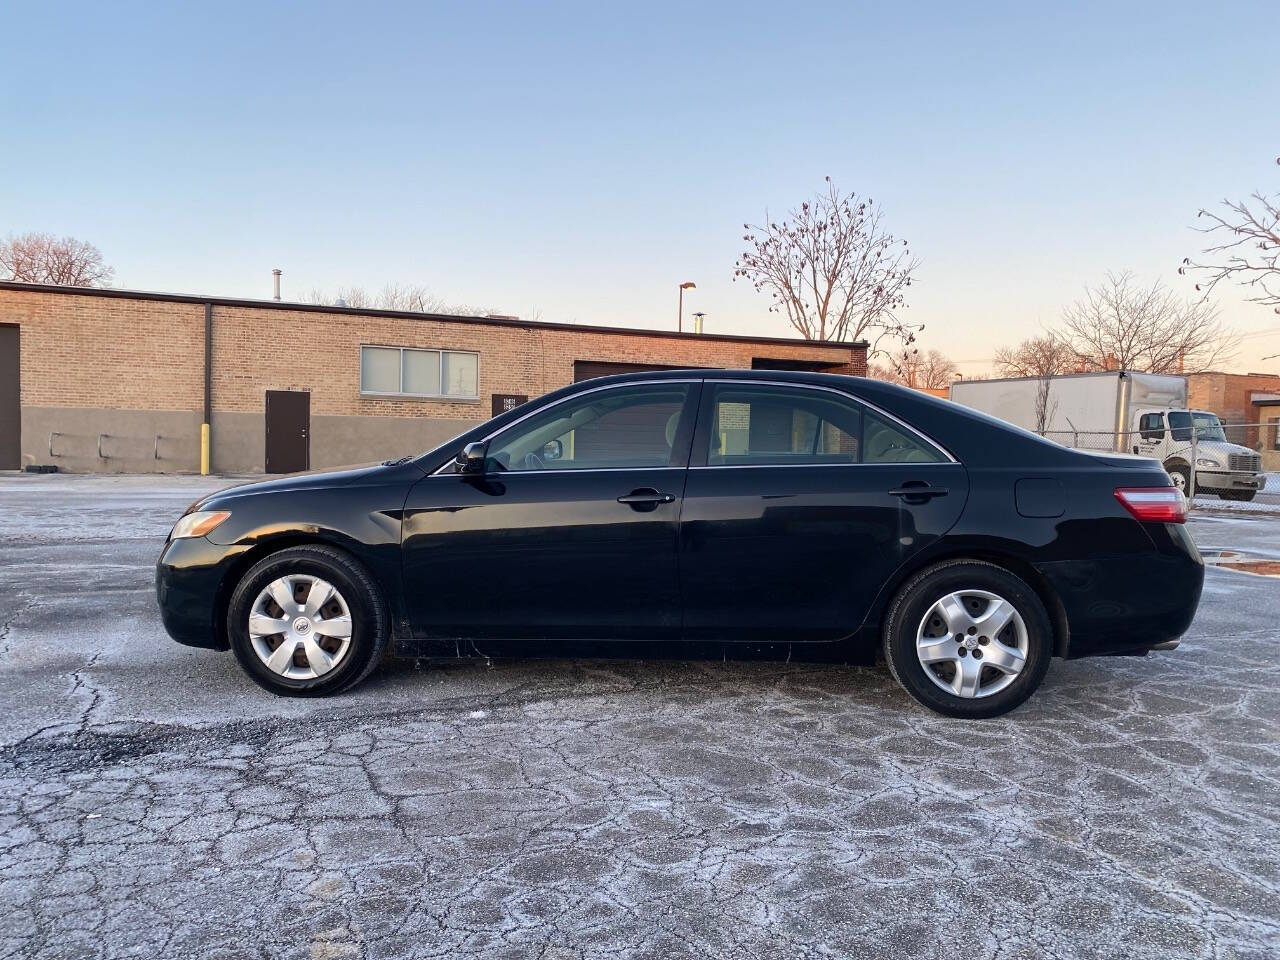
[(1154, 504)]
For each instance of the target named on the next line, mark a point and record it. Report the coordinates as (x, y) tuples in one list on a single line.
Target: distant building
[(1238, 399), (115, 380)]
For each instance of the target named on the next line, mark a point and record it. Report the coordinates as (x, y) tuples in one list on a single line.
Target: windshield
[(1207, 426)]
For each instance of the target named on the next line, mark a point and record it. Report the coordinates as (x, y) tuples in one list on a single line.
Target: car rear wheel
[(968, 639), (307, 621)]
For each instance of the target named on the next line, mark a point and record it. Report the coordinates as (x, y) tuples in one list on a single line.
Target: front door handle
[(646, 496), (918, 492)]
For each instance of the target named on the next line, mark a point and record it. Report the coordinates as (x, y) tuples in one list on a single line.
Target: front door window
[(623, 428)]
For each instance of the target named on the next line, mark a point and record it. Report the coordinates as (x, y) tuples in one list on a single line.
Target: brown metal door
[(10, 398), (288, 431), (590, 369)]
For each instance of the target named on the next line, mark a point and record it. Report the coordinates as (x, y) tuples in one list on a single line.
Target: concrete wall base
[(86, 440)]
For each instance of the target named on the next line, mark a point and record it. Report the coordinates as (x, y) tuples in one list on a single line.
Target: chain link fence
[(1184, 447)]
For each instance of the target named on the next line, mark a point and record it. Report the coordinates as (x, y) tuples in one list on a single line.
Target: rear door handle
[(918, 493), (646, 496)]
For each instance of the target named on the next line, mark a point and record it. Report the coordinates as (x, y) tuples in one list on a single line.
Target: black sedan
[(747, 514)]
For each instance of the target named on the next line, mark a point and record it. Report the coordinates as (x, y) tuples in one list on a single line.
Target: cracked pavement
[(155, 803)]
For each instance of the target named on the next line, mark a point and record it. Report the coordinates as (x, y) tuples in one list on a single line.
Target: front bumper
[(1227, 480), (190, 576)]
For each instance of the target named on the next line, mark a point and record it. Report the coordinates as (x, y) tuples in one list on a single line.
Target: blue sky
[(583, 159)]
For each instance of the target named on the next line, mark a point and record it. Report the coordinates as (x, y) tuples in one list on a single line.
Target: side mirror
[(552, 450), (472, 457)]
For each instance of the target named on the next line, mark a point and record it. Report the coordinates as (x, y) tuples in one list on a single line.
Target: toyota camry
[(739, 514)]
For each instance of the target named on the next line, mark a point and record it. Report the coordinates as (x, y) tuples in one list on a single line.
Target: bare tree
[(1121, 325), (1244, 229), (935, 371), (1044, 356), (412, 297), (44, 258), (833, 270), (911, 368), (406, 297)]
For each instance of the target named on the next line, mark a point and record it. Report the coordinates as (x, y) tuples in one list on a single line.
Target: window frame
[(403, 394), (698, 459)]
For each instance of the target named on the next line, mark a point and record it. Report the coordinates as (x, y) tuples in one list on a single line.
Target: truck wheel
[(1181, 478)]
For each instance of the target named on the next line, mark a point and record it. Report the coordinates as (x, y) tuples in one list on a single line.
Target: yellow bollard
[(204, 449)]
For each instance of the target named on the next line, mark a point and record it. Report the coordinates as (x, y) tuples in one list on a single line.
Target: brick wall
[(120, 352), (82, 351), (1229, 395), (94, 351)]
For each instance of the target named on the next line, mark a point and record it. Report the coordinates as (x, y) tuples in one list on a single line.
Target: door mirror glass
[(552, 450), (471, 458)]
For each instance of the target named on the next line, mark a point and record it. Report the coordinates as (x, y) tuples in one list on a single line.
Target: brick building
[(115, 381), (1242, 398)]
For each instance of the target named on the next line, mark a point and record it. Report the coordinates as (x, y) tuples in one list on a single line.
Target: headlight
[(1206, 462), (198, 524)]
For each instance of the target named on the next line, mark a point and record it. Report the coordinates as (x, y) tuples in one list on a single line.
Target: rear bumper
[(189, 578), (1130, 603)]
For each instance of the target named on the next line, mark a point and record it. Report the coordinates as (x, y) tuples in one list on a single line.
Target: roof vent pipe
[(697, 322), (275, 282)]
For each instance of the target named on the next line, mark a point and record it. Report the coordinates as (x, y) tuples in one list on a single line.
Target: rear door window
[(770, 425)]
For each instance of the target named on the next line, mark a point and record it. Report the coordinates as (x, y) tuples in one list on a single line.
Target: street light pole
[(687, 285)]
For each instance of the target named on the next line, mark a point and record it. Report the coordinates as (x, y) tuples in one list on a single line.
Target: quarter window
[(409, 372), (886, 442), (608, 429)]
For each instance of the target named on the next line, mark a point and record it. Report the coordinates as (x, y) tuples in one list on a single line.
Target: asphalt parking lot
[(155, 803)]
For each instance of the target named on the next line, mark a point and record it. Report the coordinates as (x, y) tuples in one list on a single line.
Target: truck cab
[(1193, 440)]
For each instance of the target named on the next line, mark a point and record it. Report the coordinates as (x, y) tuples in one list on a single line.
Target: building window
[(406, 372)]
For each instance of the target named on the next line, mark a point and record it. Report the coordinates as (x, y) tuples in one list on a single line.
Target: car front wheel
[(307, 621), (968, 639)]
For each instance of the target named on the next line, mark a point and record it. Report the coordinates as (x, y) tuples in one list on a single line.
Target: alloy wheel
[(300, 627), (972, 643)]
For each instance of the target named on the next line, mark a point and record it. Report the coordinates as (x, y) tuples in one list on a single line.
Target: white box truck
[(1139, 413)]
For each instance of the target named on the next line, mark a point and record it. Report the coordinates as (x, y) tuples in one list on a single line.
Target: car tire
[(299, 576), (979, 676), (1181, 477)]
